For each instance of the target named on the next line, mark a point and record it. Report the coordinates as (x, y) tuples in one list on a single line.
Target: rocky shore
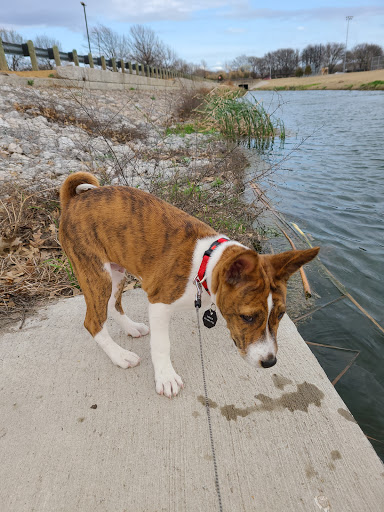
[(45, 134)]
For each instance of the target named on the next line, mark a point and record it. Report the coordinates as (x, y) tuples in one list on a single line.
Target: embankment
[(366, 80)]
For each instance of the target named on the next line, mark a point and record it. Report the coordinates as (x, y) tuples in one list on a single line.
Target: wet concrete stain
[(336, 455), (211, 403), (347, 415), (230, 412), (310, 471), (299, 400), (195, 414), (280, 381)]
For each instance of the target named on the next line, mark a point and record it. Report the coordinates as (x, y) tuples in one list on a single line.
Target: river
[(330, 181)]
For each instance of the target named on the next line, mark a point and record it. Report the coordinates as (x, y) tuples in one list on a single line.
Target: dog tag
[(210, 318)]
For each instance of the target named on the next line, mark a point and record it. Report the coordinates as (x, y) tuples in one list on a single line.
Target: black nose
[(269, 363)]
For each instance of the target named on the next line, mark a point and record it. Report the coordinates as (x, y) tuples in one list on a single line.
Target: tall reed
[(239, 118)]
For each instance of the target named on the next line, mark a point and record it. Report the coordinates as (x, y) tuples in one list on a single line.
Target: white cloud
[(301, 28)]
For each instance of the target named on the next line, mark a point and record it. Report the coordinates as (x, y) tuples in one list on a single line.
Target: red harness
[(201, 273)]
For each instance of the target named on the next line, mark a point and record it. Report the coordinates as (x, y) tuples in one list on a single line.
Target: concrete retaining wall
[(69, 76), (100, 79)]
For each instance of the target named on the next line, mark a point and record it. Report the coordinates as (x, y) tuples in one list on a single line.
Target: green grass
[(181, 129), (186, 129), (376, 85), (303, 87), (30, 82)]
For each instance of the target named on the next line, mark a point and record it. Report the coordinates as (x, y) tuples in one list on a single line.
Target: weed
[(217, 182), (30, 82), (376, 85), (238, 118), (62, 264), (181, 129)]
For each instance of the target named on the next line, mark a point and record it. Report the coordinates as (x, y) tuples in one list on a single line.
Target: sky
[(216, 31)]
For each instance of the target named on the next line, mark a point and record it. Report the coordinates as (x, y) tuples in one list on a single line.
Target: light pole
[(348, 18), (86, 24)]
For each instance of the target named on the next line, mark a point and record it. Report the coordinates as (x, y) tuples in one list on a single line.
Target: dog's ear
[(286, 263), (241, 266)]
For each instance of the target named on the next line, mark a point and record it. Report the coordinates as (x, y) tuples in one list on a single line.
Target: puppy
[(107, 230)]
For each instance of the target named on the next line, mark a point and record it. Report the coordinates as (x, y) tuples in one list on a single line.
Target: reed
[(238, 118)]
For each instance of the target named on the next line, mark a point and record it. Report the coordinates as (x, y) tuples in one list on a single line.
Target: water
[(332, 185)]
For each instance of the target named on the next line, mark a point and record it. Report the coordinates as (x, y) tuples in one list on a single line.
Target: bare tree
[(361, 56), (109, 43), (287, 60), (242, 64), (144, 45), (313, 55), (15, 62), (43, 41), (167, 57), (270, 63), (255, 64), (333, 53)]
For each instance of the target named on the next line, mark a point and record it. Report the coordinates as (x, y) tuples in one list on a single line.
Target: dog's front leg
[(168, 383)]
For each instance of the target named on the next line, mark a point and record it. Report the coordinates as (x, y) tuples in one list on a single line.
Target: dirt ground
[(335, 81)]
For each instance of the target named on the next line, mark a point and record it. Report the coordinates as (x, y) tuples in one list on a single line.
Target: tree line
[(140, 44), (288, 61)]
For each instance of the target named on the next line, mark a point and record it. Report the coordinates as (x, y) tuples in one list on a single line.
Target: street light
[(348, 18), (86, 24)]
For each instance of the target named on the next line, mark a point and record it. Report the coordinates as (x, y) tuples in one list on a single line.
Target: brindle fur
[(155, 242)]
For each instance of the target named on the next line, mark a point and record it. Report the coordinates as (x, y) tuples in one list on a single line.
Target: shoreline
[(362, 81)]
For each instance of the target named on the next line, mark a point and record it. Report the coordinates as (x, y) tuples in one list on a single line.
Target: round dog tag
[(210, 318)]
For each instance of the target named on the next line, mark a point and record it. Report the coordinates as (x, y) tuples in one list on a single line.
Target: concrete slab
[(96, 79), (77, 433)]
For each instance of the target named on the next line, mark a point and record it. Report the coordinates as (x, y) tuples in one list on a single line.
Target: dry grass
[(89, 124), (190, 101), (33, 267), (339, 81), (29, 249), (48, 73)]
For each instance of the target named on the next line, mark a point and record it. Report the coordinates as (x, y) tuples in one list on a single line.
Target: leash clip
[(199, 290)]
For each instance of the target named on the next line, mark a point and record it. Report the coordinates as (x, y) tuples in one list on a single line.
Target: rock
[(14, 148)]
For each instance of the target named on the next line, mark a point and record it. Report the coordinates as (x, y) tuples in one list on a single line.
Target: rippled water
[(332, 185)]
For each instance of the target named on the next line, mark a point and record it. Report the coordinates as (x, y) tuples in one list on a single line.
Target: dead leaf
[(7, 243), (37, 241)]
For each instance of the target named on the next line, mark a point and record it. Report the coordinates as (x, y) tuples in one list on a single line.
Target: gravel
[(45, 134)]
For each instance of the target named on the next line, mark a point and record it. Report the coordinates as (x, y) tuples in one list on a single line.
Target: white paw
[(124, 358), (131, 328), (168, 383), (137, 330)]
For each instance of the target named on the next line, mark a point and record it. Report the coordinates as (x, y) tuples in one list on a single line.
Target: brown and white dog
[(107, 230)]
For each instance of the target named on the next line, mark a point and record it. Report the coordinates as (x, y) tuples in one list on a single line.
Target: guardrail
[(28, 50)]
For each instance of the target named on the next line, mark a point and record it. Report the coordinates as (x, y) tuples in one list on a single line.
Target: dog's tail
[(76, 184)]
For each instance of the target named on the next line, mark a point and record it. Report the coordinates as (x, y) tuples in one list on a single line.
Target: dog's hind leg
[(96, 285), (115, 309)]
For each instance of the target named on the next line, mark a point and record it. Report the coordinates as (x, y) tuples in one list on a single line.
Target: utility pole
[(348, 18), (86, 24)]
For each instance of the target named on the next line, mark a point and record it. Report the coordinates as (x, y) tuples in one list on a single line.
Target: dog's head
[(251, 293)]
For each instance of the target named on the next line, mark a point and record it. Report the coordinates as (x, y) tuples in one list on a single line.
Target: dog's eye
[(281, 315), (248, 319)]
